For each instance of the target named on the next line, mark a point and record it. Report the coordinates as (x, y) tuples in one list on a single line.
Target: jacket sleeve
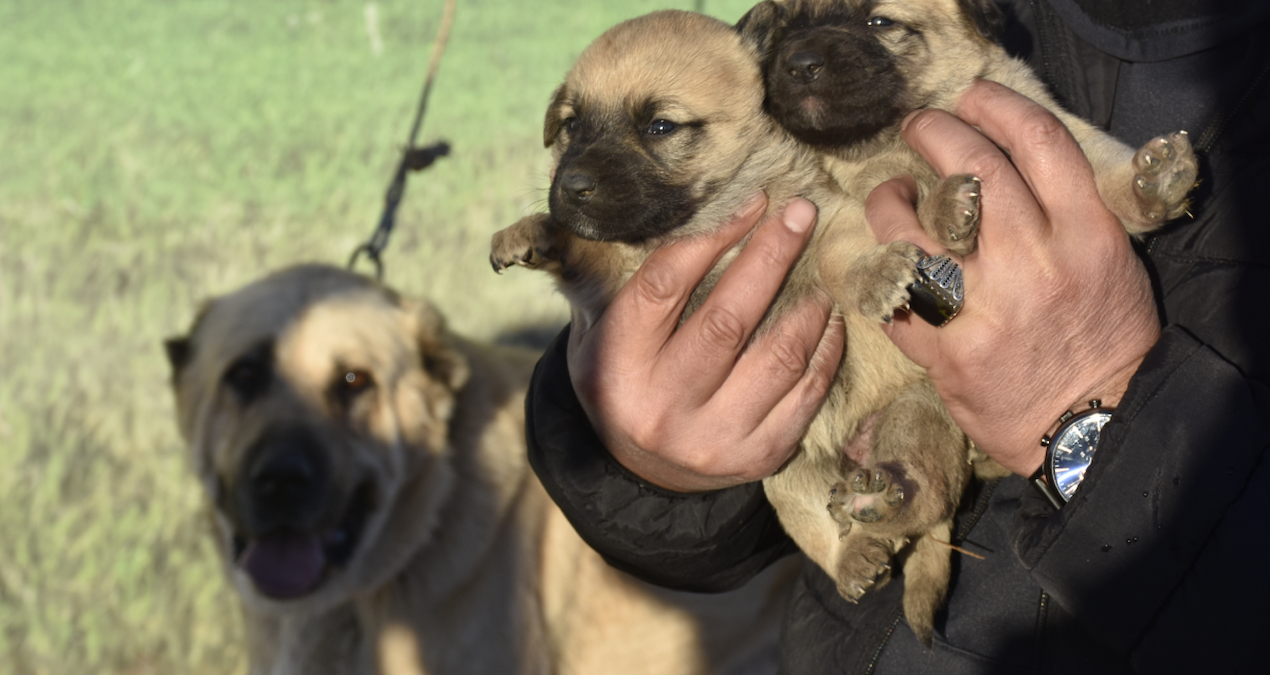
[(1163, 552), (706, 542)]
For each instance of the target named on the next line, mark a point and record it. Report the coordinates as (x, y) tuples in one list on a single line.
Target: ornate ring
[(938, 293)]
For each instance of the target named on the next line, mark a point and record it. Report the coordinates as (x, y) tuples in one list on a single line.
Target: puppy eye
[(247, 377), (661, 127), (571, 124), (880, 22)]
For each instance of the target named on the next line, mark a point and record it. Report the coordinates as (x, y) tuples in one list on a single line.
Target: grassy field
[(155, 153)]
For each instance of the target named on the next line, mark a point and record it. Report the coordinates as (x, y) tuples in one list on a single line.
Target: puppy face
[(316, 406), (650, 124), (839, 72)]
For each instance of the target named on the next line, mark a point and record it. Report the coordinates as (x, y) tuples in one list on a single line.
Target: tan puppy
[(371, 499), (842, 74), (660, 132)]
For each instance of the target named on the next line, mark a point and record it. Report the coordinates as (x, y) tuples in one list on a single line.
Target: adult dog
[(659, 131), (371, 500)]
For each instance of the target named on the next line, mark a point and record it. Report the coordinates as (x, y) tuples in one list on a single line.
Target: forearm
[(709, 541), (1158, 553)]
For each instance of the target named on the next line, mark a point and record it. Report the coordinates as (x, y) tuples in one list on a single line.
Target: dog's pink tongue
[(284, 565)]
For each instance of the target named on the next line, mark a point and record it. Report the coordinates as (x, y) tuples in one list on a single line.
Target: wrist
[(1107, 391), (1069, 447)]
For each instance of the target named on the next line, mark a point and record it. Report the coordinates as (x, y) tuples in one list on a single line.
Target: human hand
[(1058, 308), (698, 407)]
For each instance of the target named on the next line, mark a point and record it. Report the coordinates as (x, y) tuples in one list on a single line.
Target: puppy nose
[(805, 67), (577, 187)]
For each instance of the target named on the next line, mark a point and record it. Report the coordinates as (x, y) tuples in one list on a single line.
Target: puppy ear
[(440, 360), (551, 126), (758, 27), (985, 18)]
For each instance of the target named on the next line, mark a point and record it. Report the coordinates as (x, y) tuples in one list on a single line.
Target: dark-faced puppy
[(842, 74), (659, 132)]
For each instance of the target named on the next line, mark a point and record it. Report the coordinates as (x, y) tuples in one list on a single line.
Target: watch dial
[(1073, 452)]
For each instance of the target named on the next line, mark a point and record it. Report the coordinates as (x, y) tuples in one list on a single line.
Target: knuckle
[(987, 162), (722, 329), (773, 248), (646, 437), (1040, 128), (702, 461), (787, 356), (657, 283)]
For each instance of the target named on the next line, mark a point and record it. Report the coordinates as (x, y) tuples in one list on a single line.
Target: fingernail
[(909, 118), (799, 215), (751, 204)]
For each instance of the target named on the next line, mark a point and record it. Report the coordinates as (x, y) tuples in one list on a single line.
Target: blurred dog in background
[(367, 479)]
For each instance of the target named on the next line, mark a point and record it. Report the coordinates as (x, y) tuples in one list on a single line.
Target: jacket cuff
[(708, 542), (1182, 448)]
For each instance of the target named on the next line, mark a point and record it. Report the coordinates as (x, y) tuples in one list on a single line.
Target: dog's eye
[(880, 22), (247, 377), (356, 381), (661, 127), (570, 124)]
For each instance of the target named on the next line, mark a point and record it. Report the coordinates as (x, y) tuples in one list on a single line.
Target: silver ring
[(939, 291)]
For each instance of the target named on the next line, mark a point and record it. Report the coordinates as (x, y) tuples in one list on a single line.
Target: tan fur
[(883, 453), (1144, 189), (464, 564)]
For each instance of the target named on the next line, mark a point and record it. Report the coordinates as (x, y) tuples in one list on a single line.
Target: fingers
[(891, 215), (712, 338), (951, 146), (1042, 148), (786, 422), (794, 361), (648, 307)]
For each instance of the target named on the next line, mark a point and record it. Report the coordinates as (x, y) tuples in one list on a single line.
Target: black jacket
[(1160, 564)]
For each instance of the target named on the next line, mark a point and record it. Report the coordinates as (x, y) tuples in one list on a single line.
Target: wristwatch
[(1069, 451)]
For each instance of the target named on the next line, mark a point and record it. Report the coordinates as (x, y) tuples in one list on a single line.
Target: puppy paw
[(950, 214), (527, 243), (1166, 169), (882, 277), (863, 565), (868, 495)]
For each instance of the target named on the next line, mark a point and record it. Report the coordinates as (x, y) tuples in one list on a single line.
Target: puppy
[(660, 131), (370, 496), (840, 75)]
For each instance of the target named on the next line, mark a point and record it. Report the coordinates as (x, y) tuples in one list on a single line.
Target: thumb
[(892, 215)]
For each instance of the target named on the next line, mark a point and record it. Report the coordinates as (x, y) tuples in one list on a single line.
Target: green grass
[(155, 153)]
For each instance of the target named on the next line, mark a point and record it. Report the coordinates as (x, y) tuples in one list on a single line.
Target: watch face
[(1073, 450)]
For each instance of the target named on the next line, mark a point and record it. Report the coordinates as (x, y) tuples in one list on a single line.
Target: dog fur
[(368, 484), (840, 75), (660, 130)]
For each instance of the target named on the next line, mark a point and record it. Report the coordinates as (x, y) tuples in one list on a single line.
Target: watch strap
[(1048, 491)]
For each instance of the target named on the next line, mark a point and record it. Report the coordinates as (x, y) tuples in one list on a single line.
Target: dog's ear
[(440, 359), (985, 17), (759, 26), (551, 125), (179, 350)]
